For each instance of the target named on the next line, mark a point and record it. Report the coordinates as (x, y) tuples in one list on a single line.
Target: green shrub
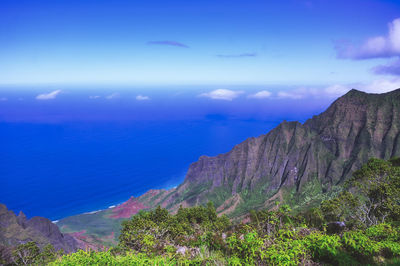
[(246, 247), (390, 249), (290, 252), (150, 231), (360, 246), (383, 231), (272, 237), (327, 248)]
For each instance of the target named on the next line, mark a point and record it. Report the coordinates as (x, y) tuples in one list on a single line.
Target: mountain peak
[(357, 93), (354, 91)]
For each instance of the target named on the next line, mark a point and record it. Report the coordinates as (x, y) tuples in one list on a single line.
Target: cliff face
[(300, 164), (324, 152), (359, 126), (15, 230)]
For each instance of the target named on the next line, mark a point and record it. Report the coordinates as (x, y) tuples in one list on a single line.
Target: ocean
[(72, 156)]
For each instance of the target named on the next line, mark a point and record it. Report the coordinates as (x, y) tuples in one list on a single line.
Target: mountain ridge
[(297, 163), (15, 230)]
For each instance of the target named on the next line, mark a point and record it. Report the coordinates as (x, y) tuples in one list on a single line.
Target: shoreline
[(115, 205)]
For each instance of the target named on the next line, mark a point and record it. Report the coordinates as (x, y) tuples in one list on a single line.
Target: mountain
[(15, 230), (299, 164)]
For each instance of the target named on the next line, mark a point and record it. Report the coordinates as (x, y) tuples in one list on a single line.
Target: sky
[(314, 45), (157, 67)]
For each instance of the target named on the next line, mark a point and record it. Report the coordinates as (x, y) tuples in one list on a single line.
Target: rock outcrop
[(15, 230)]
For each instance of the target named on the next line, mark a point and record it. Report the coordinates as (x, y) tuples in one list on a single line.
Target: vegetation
[(360, 225), (29, 254)]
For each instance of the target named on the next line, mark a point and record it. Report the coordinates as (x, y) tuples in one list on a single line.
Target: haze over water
[(85, 150)]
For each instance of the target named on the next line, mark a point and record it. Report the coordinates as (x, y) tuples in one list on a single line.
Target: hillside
[(300, 164), (15, 230)]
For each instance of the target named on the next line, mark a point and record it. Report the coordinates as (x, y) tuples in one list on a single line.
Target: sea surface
[(68, 156)]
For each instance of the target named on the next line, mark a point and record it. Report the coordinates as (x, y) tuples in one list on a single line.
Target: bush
[(370, 209), (289, 252), (246, 247), (360, 246), (328, 248), (383, 231), (151, 231)]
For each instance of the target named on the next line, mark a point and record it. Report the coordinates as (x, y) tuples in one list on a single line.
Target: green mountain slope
[(300, 164)]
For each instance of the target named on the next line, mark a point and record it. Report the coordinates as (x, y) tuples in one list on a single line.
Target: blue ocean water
[(72, 155), (57, 170)]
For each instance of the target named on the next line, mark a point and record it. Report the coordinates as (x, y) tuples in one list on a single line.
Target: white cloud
[(260, 95), (112, 96), (94, 97), (142, 98), (222, 94), (332, 91), (381, 86), (337, 90), (376, 86), (3, 99), (295, 94), (48, 96), (375, 47), (392, 68)]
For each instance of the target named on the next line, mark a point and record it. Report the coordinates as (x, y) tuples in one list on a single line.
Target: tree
[(344, 208), (153, 230), (372, 196), (378, 184), (26, 254), (47, 255)]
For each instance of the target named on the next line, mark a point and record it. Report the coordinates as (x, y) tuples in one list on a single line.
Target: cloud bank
[(222, 94), (375, 47), (337, 90), (381, 85), (48, 96), (112, 96), (260, 95), (392, 68), (142, 98), (295, 94), (168, 43)]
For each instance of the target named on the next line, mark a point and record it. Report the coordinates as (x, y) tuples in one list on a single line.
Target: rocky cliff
[(300, 164), (15, 230), (295, 158)]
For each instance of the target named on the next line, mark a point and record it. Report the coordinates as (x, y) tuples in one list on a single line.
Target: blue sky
[(183, 74), (291, 42)]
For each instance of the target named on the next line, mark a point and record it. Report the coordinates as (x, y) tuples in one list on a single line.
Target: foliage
[(270, 222), (373, 196), (344, 208), (26, 254), (130, 258), (285, 252), (30, 254), (378, 183), (327, 248), (247, 247), (368, 209), (151, 231)]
